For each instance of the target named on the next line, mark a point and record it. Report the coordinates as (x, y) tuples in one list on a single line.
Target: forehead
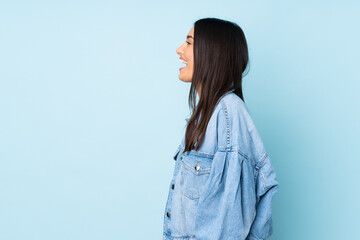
[(191, 32)]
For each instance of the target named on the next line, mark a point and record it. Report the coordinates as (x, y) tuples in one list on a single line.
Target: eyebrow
[(188, 36)]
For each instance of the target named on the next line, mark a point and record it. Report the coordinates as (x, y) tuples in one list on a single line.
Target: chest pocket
[(195, 171)]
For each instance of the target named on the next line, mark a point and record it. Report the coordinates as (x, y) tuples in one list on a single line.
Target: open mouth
[(184, 63)]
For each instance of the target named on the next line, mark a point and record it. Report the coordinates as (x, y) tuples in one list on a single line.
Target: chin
[(185, 79)]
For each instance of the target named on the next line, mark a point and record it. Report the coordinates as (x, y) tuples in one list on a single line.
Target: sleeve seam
[(262, 161)]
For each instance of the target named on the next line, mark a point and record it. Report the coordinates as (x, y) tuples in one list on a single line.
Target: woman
[(223, 181)]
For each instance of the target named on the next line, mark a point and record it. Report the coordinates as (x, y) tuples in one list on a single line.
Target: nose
[(179, 50)]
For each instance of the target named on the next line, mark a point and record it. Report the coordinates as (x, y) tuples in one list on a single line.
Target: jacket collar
[(188, 118)]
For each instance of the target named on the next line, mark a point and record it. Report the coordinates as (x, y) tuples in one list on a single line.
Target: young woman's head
[(216, 54), (186, 52)]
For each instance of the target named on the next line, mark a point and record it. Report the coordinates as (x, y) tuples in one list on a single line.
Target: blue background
[(92, 111)]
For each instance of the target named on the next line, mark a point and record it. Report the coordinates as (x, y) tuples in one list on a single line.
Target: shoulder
[(232, 110), (236, 128)]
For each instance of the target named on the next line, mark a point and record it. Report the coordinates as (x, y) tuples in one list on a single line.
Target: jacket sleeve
[(266, 185), (226, 206)]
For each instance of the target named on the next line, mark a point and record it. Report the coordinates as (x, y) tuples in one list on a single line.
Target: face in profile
[(186, 54)]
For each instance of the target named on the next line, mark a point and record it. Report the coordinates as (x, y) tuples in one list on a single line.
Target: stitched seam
[(192, 236), (227, 125), (262, 160), (200, 172), (264, 182), (202, 154)]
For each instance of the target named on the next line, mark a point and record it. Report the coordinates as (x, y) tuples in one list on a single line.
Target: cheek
[(190, 62), (191, 65)]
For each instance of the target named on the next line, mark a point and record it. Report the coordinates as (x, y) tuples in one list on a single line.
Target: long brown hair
[(220, 59)]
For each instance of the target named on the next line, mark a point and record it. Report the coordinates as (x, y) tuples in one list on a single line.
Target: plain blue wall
[(92, 110)]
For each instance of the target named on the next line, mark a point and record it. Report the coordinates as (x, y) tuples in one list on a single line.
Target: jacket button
[(172, 186), (168, 214), (197, 167)]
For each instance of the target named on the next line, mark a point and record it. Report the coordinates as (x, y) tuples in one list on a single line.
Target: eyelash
[(187, 42)]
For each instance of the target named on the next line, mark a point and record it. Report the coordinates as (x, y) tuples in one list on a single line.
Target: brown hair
[(220, 59)]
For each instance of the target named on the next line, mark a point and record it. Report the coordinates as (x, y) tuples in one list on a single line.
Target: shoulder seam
[(228, 132), (227, 125)]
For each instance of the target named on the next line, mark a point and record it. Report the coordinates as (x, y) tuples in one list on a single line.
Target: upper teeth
[(183, 61)]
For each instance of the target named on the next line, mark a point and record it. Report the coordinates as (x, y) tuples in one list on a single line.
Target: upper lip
[(183, 60)]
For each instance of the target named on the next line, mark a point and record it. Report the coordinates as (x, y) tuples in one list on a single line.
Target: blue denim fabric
[(225, 189)]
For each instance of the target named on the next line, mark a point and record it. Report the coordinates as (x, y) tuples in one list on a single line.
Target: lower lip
[(181, 68)]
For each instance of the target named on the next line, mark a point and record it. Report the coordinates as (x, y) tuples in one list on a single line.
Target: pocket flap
[(197, 164)]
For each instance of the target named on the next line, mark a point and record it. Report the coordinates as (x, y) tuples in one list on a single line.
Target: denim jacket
[(225, 189)]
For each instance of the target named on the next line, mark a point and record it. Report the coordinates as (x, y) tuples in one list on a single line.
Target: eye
[(188, 43)]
